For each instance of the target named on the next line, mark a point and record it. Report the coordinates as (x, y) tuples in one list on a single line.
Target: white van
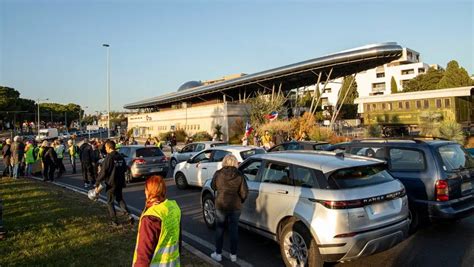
[(48, 134)]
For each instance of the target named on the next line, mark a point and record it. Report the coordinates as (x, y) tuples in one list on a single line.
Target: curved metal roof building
[(287, 77)]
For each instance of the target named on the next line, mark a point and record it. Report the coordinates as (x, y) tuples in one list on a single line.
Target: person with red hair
[(159, 229)]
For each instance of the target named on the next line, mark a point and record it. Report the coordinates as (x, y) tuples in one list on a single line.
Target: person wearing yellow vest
[(29, 158), (159, 229)]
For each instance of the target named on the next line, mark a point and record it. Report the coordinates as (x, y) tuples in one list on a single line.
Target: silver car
[(320, 206), (190, 150), (143, 161)]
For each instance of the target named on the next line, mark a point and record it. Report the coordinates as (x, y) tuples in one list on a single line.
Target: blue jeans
[(16, 170), (29, 167), (232, 218)]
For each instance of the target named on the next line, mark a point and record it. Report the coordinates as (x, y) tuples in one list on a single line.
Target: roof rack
[(416, 139)]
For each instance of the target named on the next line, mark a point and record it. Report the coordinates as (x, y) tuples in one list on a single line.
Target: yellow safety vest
[(167, 249)]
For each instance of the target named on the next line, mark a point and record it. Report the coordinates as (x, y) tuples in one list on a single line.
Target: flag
[(272, 116), (248, 129)]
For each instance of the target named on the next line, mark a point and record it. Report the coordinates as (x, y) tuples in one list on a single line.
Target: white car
[(196, 170), (192, 149)]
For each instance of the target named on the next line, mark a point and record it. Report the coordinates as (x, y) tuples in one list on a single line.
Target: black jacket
[(49, 156), (85, 153), (231, 187), (6, 151), (113, 171)]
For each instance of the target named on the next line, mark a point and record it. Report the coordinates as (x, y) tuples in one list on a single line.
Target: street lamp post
[(80, 117), (38, 104), (107, 46)]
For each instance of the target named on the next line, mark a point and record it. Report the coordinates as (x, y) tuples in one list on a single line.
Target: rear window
[(149, 152), (359, 177), (248, 153), (455, 158)]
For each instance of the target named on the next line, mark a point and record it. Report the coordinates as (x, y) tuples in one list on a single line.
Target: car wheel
[(298, 247), (209, 211), (180, 180), (173, 163), (128, 176)]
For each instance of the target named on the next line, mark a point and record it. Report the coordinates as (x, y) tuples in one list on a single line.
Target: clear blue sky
[(53, 49)]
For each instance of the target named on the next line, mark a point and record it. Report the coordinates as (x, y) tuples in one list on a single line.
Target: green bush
[(180, 135), (202, 136), (320, 134), (451, 130), (374, 130)]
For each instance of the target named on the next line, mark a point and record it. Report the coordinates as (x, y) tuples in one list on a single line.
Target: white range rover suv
[(320, 206)]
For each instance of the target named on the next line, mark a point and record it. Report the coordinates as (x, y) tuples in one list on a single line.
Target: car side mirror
[(123, 155), (190, 160)]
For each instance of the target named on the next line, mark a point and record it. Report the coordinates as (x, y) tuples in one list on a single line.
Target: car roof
[(208, 142), (306, 142), (417, 140), (322, 160), (235, 148)]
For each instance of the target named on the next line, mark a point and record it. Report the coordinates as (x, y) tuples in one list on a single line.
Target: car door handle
[(282, 192), (204, 168)]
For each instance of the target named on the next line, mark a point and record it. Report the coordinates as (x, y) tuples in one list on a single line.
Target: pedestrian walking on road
[(49, 159), (231, 191), (18, 152), (60, 149), (112, 172), (159, 229), (29, 158), (73, 154), (172, 142), (6, 154), (86, 155)]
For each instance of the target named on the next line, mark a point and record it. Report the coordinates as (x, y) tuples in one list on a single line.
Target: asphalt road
[(449, 244)]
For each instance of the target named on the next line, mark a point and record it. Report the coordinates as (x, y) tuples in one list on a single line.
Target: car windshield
[(149, 152), (248, 153), (359, 177), (455, 158)]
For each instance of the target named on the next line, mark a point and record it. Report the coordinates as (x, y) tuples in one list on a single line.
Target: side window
[(406, 160), (305, 177), (203, 156), (125, 151), (219, 155), (278, 148), (276, 173), (293, 146), (188, 148), (250, 170), (373, 152), (199, 147)]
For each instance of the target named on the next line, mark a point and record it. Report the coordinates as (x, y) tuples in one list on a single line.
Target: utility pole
[(108, 89)]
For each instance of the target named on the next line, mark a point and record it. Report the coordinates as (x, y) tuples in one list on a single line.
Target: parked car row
[(335, 206)]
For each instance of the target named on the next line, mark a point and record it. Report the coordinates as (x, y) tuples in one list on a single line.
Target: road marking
[(195, 238)]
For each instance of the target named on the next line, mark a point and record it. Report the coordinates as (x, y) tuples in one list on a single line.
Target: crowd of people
[(268, 140)]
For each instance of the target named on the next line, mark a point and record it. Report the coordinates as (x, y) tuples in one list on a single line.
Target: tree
[(352, 95), (262, 105), (429, 123), (393, 86), (455, 76), (426, 81)]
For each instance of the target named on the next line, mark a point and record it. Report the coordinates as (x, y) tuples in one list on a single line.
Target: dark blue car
[(438, 175)]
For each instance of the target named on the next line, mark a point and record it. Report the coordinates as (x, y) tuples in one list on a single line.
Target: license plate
[(466, 186), (156, 170), (378, 208)]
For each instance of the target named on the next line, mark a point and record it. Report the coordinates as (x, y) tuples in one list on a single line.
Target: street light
[(38, 104), (107, 46)]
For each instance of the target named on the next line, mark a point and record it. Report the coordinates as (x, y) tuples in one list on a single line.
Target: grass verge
[(52, 226)]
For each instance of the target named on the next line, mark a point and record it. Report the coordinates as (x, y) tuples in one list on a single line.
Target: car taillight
[(342, 204), (139, 161), (165, 159), (442, 190)]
